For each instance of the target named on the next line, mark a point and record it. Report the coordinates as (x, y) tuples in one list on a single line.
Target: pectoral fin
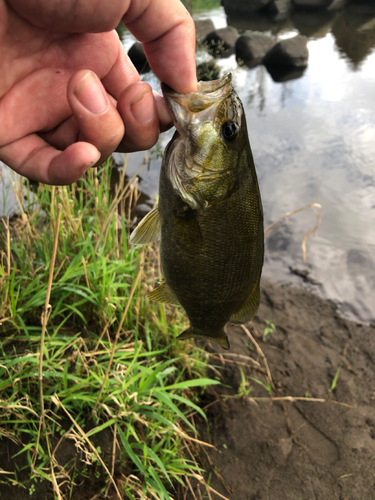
[(164, 294), (148, 230), (191, 332), (248, 310)]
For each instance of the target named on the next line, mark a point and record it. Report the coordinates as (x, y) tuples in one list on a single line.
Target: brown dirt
[(301, 450)]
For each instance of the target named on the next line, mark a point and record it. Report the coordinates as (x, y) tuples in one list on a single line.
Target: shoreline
[(292, 450)]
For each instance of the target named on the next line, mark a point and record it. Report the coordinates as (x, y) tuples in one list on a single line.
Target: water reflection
[(9, 196), (354, 31), (13, 198), (316, 24), (257, 95), (284, 74), (259, 22)]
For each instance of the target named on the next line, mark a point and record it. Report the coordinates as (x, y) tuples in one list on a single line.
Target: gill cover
[(207, 123)]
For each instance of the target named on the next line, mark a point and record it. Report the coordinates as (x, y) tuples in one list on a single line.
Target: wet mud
[(302, 450)]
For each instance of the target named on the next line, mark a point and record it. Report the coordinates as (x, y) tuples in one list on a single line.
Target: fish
[(209, 217)]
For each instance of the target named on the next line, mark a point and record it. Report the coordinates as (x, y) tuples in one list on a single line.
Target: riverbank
[(276, 450), (305, 450)]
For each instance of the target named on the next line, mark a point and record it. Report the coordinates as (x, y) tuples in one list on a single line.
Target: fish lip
[(203, 88), (208, 95)]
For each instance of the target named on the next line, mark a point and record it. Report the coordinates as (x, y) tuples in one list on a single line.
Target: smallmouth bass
[(209, 218)]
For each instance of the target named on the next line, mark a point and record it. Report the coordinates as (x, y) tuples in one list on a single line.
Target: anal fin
[(249, 308), (221, 339), (148, 230)]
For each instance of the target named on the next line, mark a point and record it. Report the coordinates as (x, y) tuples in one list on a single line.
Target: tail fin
[(192, 332)]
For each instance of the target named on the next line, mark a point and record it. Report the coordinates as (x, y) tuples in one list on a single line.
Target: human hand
[(69, 95)]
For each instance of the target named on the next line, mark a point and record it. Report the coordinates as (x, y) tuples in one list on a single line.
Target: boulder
[(222, 42), (291, 52), (252, 48), (202, 28), (239, 7), (207, 71), (138, 58)]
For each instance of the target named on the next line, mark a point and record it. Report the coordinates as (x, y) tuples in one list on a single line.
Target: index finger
[(167, 33)]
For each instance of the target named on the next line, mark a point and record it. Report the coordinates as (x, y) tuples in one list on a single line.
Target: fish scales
[(200, 256), (210, 215)]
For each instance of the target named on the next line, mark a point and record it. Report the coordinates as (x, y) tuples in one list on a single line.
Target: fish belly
[(211, 260)]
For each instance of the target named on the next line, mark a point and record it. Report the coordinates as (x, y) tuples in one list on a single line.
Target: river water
[(313, 141)]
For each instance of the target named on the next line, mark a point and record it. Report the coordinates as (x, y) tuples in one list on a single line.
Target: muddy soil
[(301, 450)]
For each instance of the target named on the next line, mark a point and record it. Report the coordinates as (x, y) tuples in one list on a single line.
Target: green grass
[(112, 370)]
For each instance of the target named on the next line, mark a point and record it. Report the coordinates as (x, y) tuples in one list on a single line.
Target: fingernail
[(142, 106), (90, 94), (91, 163), (165, 117)]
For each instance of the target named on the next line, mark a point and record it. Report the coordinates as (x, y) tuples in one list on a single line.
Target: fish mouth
[(205, 101)]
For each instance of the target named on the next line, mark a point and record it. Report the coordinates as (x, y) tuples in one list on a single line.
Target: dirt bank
[(300, 450)]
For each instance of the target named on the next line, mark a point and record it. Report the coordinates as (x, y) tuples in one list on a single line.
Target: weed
[(335, 379), (110, 378), (270, 328), (266, 385), (244, 388)]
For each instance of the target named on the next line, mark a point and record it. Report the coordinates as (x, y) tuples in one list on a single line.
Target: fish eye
[(229, 131)]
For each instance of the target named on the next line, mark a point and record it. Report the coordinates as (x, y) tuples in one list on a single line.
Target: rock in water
[(252, 48), (291, 52), (222, 42), (202, 28)]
